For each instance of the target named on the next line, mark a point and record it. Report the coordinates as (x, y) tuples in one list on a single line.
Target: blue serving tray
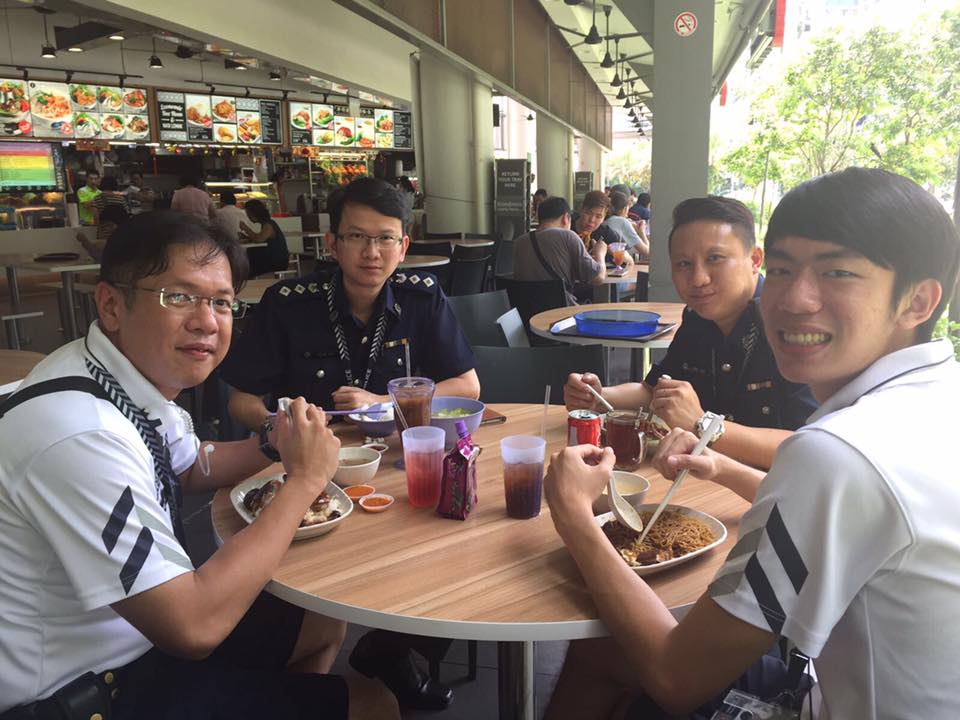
[(616, 323)]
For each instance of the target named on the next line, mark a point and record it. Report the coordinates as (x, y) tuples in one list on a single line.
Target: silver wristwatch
[(701, 427)]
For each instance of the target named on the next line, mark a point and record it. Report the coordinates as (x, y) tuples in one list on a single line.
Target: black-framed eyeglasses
[(383, 242), (185, 302)]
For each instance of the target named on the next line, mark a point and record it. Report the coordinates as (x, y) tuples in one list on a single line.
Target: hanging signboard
[(512, 194), (582, 184), (325, 125)]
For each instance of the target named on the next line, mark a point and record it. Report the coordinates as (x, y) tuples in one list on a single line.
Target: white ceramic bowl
[(631, 486), (368, 462)]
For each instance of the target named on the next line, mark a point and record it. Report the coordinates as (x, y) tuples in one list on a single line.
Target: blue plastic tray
[(616, 323)]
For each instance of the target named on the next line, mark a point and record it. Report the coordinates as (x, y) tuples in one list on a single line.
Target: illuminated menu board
[(38, 108), (218, 118), (29, 166), (333, 126)]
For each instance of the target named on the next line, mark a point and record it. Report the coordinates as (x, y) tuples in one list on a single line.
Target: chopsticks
[(698, 450)]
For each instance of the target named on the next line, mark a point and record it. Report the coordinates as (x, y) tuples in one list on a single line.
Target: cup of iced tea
[(412, 397), (523, 474), (618, 250), (626, 438), (423, 458)]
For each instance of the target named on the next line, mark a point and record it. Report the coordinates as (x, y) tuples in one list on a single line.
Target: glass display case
[(266, 192)]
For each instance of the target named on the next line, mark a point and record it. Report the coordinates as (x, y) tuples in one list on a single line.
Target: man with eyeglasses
[(102, 613), (337, 337)]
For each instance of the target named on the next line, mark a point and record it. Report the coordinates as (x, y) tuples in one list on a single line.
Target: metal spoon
[(622, 510)]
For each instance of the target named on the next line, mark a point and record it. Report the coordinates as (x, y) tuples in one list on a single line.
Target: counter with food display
[(263, 191)]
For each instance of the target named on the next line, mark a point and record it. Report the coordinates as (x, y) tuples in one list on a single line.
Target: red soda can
[(583, 427)]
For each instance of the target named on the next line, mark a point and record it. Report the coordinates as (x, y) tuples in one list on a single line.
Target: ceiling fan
[(592, 36)]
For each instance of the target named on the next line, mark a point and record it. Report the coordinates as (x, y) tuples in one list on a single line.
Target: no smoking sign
[(686, 24)]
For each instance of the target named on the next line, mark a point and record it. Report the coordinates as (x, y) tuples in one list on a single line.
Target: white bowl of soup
[(357, 466), (631, 486)]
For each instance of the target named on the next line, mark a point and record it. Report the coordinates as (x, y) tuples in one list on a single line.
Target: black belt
[(88, 697)]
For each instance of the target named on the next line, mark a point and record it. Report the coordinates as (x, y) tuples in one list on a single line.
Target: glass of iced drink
[(412, 397), (523, 474), (618, 249), (626, 438), (423, 457)]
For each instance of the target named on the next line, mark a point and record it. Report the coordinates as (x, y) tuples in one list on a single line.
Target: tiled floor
[(475, 700)]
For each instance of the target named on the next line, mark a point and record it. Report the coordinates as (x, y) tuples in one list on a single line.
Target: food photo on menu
[(198, 111), (138, 127), (112, 126), (224, 133), (224, 109), (110, 99), (384, 121), (300, 116), (365, 132), (135, 100), (346, 131), (248, 127), (86, 125), (323, 116), (51, 109), (324, 137), (14, 108), (84, 97)]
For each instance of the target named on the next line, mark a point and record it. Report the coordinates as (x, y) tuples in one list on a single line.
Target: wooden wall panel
[(424, 15), (480, 34), (531, 25), (591, 110), (560, 58), (578, 97), (608, 125)]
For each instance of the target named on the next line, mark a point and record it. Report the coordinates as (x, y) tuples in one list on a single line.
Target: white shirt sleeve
[(93, 498), (822, 525)]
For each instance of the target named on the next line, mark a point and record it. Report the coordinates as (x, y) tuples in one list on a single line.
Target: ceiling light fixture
[(274, 75), (46, 50), (229, 64), (118, 36), (608, 62), (155, 62), (593, 35)]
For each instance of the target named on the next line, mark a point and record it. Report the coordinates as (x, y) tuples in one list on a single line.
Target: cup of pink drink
[(423, 458), (523, 474)]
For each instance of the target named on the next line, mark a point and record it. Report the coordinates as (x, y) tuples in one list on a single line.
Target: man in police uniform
[(719, 361), (336, 338)]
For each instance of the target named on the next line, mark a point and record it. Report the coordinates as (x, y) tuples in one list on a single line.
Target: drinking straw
[(546, 407), (406, 355)]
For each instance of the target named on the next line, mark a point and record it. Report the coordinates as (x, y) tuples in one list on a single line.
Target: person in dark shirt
[(275, 256), (719, 362), (588, 223), (337, 337)]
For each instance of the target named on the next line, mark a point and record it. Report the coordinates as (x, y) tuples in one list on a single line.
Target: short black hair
[(885, 217), (595, 199), (109, 184), (113, 213), (618, 201), (369, 192), (719, 209), (541, 192), (643, 199), (622, 188), (228, 197), (552, 208), (93, 172), (257, 210), (140, 248)]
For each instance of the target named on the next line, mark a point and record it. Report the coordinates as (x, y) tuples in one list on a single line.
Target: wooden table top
[(16, 364), (415, 261), (489, 577), (629, 276), (670, 312)]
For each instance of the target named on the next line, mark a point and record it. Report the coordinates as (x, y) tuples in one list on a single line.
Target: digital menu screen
[(221, 119), (77, 110), (27, 166)]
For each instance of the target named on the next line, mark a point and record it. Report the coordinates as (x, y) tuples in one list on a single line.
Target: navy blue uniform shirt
[(288, 347), (735, 376)]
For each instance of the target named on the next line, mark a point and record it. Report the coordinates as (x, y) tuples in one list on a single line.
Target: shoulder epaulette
[(307, 286), (415, 280)]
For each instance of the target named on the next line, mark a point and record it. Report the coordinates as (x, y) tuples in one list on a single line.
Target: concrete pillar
[(554, 157), (457, 149), (591, 158), (681, 124)]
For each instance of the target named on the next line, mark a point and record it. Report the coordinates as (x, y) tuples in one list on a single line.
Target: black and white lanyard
[(376, 345)]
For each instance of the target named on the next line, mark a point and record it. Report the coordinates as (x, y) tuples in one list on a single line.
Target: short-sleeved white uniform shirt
[(852, 546), (81, 523)]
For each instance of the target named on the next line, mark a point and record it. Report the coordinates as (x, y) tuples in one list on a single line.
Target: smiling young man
[(719, 361), (101, 609), (337, 337), (851, 549)]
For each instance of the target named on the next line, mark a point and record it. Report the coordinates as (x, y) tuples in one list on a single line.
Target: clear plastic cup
[(412, 397), (523, 457), (618, 250), (423, 458)]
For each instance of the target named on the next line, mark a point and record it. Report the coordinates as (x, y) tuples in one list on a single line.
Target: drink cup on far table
[(624, 435), (523, 474), (618, 249), (412, 397), (423, 457)]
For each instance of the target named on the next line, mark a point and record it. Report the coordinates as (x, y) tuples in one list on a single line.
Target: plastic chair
[(512, 326), (530, 297), (423, 248), (517, 374), (479, 314), (640, 293), (503, 259), (467, 252), (466, 275)]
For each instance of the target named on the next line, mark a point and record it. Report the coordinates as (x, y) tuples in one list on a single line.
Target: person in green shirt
[(85, 197)]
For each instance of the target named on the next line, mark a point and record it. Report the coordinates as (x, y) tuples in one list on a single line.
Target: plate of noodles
[(680, 534)]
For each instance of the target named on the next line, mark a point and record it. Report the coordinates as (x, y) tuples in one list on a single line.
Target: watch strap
[(265, 446)]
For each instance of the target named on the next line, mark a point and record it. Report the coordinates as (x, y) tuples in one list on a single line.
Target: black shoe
[(415, 690)]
